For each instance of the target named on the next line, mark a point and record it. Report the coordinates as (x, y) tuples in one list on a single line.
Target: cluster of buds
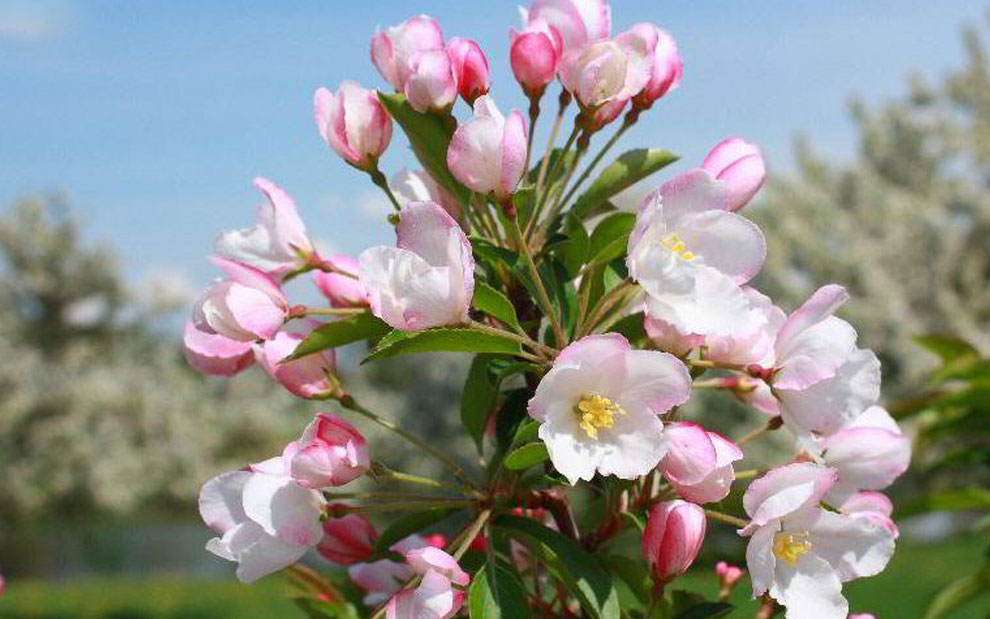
[(611, 344)]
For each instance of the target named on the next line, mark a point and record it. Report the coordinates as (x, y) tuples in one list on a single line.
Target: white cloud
[(34, 20)]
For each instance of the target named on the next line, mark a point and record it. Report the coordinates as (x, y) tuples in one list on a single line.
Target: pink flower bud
[(307, 377), (348, 539), (331, 452), (353, 122), (432, 83), (607, 113), (392, 49), (247, 306), (672, 539), (431, 559), (214, 354), (698, 463), (533, 55), (341, 285), (471, 69), (728, 575), (488, 153), (578, 22), (665, 66), (740, 166), (604, 71)]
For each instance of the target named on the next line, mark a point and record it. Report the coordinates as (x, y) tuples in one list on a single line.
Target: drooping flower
[(278, 243), (348, 539), (578, 22), (330, 452), (432, 82), (599, 407), (307, 377), (435, 597), (488, 153), (471, 69), (672, 538), (428, 279), (214, 354), (698, 463), (383, 578), (534, 54), (392, 49), (354, 123), (265, 522), (800, 553), (249, 305), (418, 186), (665, 67), (604, 71), (341, 285), (739, 166)]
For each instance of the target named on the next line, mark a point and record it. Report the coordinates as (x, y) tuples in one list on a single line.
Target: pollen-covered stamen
[(595, 412), (790, 546), (674, 243)]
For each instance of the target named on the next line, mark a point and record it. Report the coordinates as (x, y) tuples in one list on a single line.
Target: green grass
[(901, 592)]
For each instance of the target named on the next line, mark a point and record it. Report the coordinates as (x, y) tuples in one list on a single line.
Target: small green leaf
[(494, 303), (478, 399), (959, 592), (429, 138), (527, 432), (706, 610), (526, 456), (410, 523), (571, 245), (580, 572), (631, 167), (611, 237), (340, 332), (455, 339), (510, 415), (632, 327), (496, 593), (948, 347)]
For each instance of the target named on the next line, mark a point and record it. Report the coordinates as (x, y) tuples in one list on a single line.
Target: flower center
[(595, 412), (790, 546), (674, 243)]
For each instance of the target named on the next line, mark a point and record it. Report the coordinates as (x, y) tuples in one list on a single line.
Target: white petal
[(760, 559), (284, 509), (810, 590), (854, 547), (220, 501)]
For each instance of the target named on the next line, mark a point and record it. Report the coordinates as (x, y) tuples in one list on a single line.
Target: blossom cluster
[(489, 258)]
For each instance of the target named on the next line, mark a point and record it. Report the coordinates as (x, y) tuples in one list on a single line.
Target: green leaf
[(510, 415), (455, 339), (321, 609), (948, 347), (706, 610), (429, 136), (953, 500), (580, 572), (571, 246), (526, 456), (494, 303), (634, 574), (340, 332), (478, 399), (611, 237), (496, 593), (631, 167), (959, 592), (632, 327), (410, 523)]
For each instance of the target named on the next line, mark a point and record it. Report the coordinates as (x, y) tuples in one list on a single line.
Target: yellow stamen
[(790, 546), (674, 243), (596, 412)]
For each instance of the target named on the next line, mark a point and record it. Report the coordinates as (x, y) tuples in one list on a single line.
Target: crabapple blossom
[(432, 82), (739, 166), (392, 49), (383, 578), (577, 22), (800, 553), (265, 522), (249, 305), (599, 406), (341, 285), (330, 452), (418, 186), (533, 55), (428, 279), (306, 377), (214, 354), (728, 575), (488, 153), (604, 71), (348, 539), (698, 463), (666, 66), (471, 69), (873, 506), (672, 538), (821, 378), (434, 598), (354, 123), (278, 243)]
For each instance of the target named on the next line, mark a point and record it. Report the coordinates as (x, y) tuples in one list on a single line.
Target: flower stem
[(379, 470), (472, 532), (521, 338), (399, 506), (769, 426), (348, 402), (301, 311), (544, 298), (544, 194), (626, 123), (564, 100), (726, 518), (606, 303), (534, 113), (379, 179)]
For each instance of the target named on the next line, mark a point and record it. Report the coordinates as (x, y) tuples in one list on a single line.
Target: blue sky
[(153, 117)]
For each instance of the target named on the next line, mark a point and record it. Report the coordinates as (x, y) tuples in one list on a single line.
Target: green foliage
[(341, 332), (455, 339), (526, 456), (497, 593), (494, 303), (630, 168)]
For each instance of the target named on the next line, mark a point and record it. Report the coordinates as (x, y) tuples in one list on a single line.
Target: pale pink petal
[(214, 354), (785, 490), (726, 241)]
